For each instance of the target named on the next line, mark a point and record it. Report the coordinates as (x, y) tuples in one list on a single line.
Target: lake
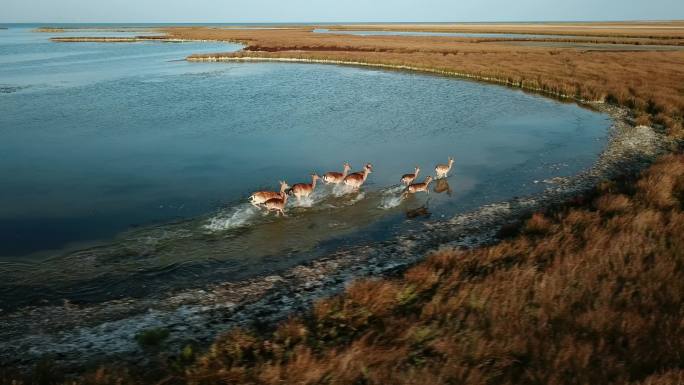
[(125, 169)]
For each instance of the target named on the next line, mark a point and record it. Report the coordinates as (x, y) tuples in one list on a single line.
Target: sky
[(259, 11)]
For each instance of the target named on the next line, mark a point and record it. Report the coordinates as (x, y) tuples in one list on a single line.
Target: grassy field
[(589, 292), (658, 30)]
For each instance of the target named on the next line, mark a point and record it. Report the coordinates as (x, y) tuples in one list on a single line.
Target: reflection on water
[(419, 212), (125, 172), (442, 185)]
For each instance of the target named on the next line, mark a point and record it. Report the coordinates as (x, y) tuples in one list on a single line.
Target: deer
[(407, 179), (260, 197), (357, 179), (333, 177), (443, 169), (419, 187), (303, 190), (277, 204)]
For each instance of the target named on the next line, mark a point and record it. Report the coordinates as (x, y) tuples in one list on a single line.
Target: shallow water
[(125, 170)]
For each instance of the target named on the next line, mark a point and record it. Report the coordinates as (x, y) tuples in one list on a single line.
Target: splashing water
[(239, 216), (357, 198), (316, 197), (390, 201), (341, 189), (394, 190), (392, 197)]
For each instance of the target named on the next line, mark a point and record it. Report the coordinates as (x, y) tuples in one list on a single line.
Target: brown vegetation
[(656, 30), (588, 293), (591, 292), (583, 295)]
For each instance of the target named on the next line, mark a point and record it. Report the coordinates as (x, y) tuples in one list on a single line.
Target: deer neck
[(345, 172), (365, 174), (313, 184)]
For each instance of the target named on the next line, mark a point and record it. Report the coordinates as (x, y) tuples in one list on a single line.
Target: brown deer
[(357, 179), (443, 169), (336, 177), (260, 197), (277, 204), (407, 179), (303, 190), (418, 187)]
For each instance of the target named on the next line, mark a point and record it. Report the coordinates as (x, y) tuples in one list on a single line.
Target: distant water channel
[(125, 169)]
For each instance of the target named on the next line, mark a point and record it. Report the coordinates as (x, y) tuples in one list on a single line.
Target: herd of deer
[(276, 201)]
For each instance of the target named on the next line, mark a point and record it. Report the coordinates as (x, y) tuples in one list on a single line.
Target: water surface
[(125, 170)]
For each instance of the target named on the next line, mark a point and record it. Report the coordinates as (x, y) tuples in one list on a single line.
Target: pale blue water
[(125, 169)]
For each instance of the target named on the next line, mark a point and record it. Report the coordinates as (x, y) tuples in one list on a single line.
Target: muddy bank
[(74, 335)]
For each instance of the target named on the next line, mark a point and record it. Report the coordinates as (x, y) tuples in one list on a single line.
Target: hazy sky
[(227, 11)]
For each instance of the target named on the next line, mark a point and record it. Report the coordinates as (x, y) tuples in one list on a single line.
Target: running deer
[(303, 190), (260, 197), (419, 187), (443, 169), (356, 180), (407, 179), (336, 177), (277, 204)]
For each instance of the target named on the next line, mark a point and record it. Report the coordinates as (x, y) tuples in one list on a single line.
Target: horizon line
[(350, 22)]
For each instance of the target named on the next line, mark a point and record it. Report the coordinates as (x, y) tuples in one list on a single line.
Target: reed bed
[(655, 30), (588, 292)]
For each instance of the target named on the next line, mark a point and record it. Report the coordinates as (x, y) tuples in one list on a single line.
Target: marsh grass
[(589, 292), (583, 295)]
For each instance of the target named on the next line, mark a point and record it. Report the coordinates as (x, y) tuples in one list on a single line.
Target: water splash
[(394, 190), (341, 189), (314, 199), (390, 201), (357, 198), (239, 216), (392, 197)]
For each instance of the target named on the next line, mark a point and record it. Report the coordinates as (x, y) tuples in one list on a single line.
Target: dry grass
[(583, 295), (588, 293), (656, 30)]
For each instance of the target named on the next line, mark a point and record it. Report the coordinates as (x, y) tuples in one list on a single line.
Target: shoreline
[(75, 335), (199, 314), (427, 70)]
